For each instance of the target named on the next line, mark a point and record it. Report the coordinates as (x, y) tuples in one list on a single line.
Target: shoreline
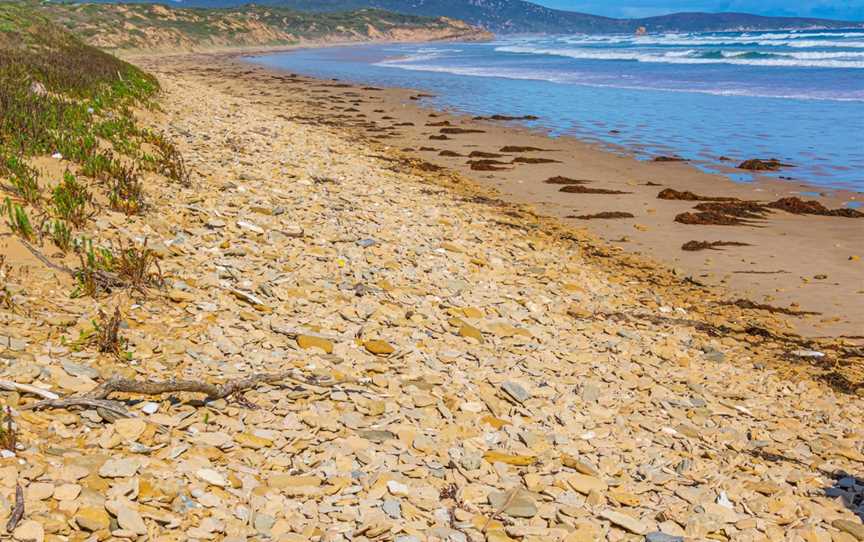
[(348, 342), (768, 272)]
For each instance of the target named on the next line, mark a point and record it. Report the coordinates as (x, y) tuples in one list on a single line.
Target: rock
[(657, 536), (585, 484), (92, 518), (308, 341), (285, 481), (248, 440), (119, 468), (470, 332), (628, 523), (130, 520), (379, 348), (180, 296), (76, 369), (397, 488), (516, 391), (130, 428), (212, 477), (38, 491), (29, 531), (67, 492), (518, 505), (853, 528), (392, 508)]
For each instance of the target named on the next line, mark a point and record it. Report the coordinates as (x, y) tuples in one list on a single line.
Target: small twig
[(508, 502), (44, 259), (98, 398), (18, 511)]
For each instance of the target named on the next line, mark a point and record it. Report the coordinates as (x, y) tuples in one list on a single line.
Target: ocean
[(794, 96)]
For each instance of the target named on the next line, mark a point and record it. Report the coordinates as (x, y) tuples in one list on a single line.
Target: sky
[(832, 9)]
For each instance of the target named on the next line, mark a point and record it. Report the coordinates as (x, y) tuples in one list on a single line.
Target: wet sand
[(800, 263)]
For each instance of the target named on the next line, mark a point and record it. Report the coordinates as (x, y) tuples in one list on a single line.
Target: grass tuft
[(17, 220), (71, 201)]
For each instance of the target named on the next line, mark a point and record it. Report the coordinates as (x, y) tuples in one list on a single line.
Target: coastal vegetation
[(519, 16), (66, 100), (158, 27)]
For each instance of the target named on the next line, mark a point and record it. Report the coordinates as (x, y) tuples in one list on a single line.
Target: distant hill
[(518, 16), (160, 27)]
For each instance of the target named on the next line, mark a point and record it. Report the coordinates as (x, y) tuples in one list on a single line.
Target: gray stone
[(516, 391), (662, 537), (392, 508), (76, 369)]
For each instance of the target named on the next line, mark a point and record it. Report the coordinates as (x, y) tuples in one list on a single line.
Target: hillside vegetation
[(138, 26), (71, 146), (518, 16)]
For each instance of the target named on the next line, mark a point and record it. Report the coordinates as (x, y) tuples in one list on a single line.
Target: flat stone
[(392, 508), (130, 428), (130, 520), (471, 332), (516, 391), (283, 481), (38, 491), (92, 518), (853, 528), (379, 348), (119, 468), (76, 369), (248, 440), (67, 492), (212, 477), (585, 484), (628, 523), (309, 341), (657, 536), (520, 505), (29, 531)]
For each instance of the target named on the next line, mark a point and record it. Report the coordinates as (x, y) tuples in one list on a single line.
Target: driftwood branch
[(42, 258), (98, 398), (18, 511)]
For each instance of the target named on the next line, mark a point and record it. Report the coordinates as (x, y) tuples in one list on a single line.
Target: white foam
[(688, 57), (584, 79)]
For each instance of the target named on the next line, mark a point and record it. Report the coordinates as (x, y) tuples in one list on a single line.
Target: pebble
[(92, 518), (452, 360), (119, 468), (29, 531), (518, 505)]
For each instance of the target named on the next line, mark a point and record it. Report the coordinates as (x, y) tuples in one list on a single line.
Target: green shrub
[(71, 200), (17, 220), (60, 234)]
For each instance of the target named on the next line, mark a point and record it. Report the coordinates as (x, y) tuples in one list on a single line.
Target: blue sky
[(835, 9)]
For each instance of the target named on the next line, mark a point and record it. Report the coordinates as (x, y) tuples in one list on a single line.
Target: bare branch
[(18, 511)]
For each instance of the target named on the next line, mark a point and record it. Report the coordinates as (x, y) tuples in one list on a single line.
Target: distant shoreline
[(769, 271)]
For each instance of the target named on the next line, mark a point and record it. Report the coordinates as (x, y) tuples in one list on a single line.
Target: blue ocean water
[(795, 96)]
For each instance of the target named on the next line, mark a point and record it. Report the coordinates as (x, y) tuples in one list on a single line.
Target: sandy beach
[(348, 341), (804, 264), (243, 305)]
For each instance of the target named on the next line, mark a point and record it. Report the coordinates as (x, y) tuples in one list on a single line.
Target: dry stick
[(98, 398), (18, 511), (510, 498), (42, 258)]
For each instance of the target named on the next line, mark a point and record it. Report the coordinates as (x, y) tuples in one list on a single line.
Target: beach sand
[(414, 357), (803, 264)]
